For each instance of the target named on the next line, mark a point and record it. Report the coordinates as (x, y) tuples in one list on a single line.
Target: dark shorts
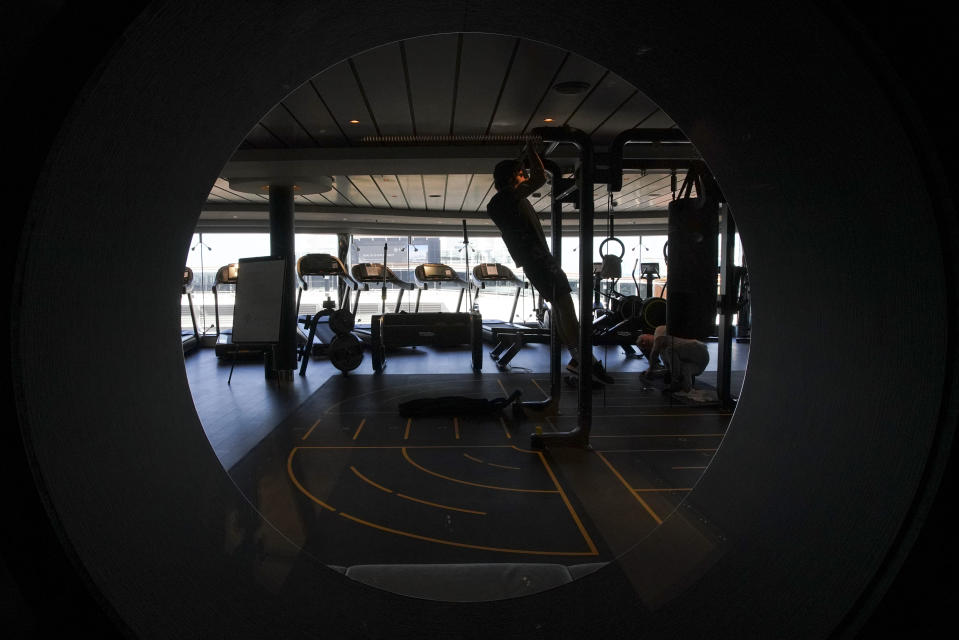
[(545, 274)]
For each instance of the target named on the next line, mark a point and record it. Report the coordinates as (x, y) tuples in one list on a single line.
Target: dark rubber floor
[(354, 482)]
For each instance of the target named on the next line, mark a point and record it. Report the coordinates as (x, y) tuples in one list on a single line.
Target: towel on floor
[(454, 405), (696, 396)]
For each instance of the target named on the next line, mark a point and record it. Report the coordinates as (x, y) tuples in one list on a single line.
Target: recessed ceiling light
[(354, 121), (571, 87), (547, 119)]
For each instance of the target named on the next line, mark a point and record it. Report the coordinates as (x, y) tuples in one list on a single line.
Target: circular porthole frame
[(815, 487)]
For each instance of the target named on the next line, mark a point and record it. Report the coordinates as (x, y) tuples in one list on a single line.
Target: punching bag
[(692, 262)]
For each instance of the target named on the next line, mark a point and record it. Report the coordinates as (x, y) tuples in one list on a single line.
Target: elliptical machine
[(622, 318)]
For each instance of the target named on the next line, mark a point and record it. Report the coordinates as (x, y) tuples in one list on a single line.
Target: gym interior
[(376, 434)]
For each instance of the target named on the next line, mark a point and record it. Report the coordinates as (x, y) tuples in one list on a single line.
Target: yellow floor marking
[(491, 464), (456, 427), (311, 429), (616, 473), (503, 422), (406, 497), (513, 446), (357, 432), (533, 380), (464, 544), (289, 472), (409, 421), (500, 383), (569, 506), (472, 484), (368, 481), (440, 506)]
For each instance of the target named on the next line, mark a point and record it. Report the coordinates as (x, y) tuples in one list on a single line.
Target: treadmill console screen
[(319, 264), (438, 272), (493, 271), (650, 269)]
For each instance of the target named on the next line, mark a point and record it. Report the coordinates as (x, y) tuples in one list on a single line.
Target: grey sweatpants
[(685, 359)]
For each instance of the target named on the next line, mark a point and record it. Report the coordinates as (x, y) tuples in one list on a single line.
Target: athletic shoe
[(600, 375)]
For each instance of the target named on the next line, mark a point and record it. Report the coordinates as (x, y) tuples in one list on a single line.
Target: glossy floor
[(424, 506)]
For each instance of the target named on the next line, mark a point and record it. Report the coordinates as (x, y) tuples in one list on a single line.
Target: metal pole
[(727, 307), (579, 436), (282, 237)]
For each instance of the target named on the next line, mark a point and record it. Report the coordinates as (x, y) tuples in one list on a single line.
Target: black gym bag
[(454, 406)]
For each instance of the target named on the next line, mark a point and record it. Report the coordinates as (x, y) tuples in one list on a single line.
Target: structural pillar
[(727, 307), (282, 245)]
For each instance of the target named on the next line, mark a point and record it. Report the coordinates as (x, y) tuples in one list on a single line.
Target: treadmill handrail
[(187, 281), (338, 269), (227, 274)]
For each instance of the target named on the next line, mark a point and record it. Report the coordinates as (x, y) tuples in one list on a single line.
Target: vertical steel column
[(727, 307), (555, 346), (579, 436), (282, 242), (556, 239), (342, 252), (584, 187)]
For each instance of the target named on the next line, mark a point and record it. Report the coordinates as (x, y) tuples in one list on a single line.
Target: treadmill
[(507, 336), (443, 329), (369, 275), (321, 265), (190, 339), (227, 276)]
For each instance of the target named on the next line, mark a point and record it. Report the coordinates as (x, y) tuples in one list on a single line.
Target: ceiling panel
[(319, 199), (529, 78), (457, 185), (628, 115), (484, 63), (260, 137), (465, 84), (382, 76), (431, 65), (605, 98), (413, 189), (560, 106), (344, 193), (284, 127), (479, 193), (435, 186), (390, 187), (370, 190), (658, 120), (338, 88), (311, 113)]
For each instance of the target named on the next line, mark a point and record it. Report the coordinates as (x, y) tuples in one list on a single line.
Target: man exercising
[(526, 242), (683, 358)]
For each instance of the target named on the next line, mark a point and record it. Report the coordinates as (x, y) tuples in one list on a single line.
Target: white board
[(259, 300)]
